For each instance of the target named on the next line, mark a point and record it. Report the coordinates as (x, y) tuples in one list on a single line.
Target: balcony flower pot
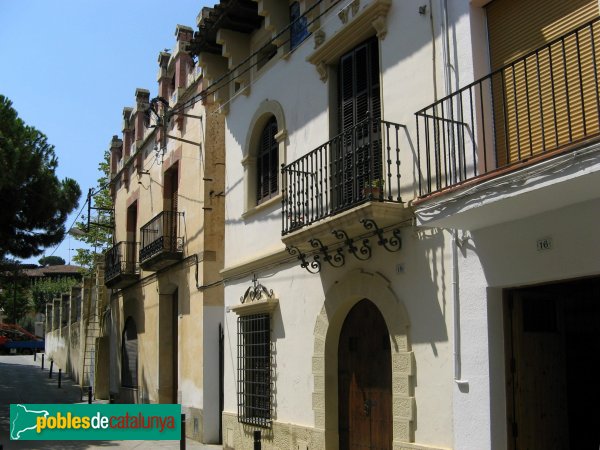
[(373, 189)]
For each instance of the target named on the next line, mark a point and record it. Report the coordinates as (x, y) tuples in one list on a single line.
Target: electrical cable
[(74, 221), (226, 79)]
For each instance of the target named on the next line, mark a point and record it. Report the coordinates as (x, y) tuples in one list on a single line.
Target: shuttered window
[(550, 98), (170, 216), (129, 355), (356, 155), (267, 161)]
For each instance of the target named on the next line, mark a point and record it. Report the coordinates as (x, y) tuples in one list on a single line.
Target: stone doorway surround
[(339, 299)]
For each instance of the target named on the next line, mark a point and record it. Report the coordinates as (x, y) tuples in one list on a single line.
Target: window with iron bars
[(254, 369)]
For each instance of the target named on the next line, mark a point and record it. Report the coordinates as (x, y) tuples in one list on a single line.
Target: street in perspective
[(22, 381)]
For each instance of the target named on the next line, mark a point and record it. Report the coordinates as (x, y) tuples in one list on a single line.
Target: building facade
[(411, 196), (167, 178)]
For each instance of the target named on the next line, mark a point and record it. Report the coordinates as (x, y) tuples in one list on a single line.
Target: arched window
[(129, 355), (264, 153), (267, 163)]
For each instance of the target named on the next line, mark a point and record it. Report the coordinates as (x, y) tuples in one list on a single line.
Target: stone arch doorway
[(364, 380), (346, 292)]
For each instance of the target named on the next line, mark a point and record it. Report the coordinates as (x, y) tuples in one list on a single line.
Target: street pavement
[(23, 381)]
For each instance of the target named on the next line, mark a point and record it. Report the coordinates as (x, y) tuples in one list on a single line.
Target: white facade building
[(439, 162)]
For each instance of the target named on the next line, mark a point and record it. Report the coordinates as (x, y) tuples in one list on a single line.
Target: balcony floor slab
[(551, 184), (384, 214)]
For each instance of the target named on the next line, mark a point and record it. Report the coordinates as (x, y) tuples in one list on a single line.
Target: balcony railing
[(536, 106), (162, 236), (359, 165), (121, 261)]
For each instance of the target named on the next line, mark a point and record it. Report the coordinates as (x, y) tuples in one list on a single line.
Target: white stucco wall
[(412, 77), (425, 260), (501, 257)]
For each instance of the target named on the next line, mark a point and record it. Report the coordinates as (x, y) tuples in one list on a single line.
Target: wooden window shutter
[(174, 189), (356, 155)]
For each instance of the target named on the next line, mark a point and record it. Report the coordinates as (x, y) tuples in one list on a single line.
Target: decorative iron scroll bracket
[(313, 267), (393, 244), (256, 292), (362, 254), (337, 260)]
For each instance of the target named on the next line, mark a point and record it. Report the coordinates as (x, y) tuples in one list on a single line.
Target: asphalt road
[(22, 381)]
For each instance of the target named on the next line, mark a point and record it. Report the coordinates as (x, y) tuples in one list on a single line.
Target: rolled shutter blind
[(548, 99)]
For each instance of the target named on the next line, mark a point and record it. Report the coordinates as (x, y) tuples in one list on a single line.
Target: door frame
[(383, 381), (339, 299)]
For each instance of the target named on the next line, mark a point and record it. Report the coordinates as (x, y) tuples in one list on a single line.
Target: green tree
[(99, 235), (46, 290), (15, 299), (51, 261), (35, 203)]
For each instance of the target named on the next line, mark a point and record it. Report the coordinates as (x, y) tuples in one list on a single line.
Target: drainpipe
[(456, 311), (455, 240)]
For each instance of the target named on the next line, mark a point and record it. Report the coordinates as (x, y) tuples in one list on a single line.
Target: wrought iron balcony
[(121, 268), (162, 240), (360, 165), (538, 106)]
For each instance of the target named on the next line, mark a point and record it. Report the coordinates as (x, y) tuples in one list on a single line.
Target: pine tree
[(35, 203)]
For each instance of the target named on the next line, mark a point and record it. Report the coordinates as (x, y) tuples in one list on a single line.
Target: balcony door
[(130, 256), (171, 200), (356, 155)]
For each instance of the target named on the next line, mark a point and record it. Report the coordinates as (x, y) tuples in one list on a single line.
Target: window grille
[(254, 369)]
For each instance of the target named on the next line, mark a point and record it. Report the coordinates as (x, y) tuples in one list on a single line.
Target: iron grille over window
[(267, 163), (254, 369), (298, 29)]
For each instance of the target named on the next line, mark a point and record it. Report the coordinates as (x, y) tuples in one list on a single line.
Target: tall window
[(267, 163), (356, 156), (254, 369), (298, 29)]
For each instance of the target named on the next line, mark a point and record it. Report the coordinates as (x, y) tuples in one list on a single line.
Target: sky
[(71, 66)]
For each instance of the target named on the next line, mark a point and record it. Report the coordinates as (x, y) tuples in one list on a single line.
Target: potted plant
[(374, 188)]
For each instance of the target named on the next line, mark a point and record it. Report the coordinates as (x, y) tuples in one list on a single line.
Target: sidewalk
[(22, 381)]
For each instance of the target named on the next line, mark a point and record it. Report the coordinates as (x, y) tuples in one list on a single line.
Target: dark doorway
[(365, 380), (553, 348), (129, 355), (175, 340)]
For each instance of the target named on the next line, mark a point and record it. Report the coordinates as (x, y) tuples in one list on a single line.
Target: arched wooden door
[(365, 380)]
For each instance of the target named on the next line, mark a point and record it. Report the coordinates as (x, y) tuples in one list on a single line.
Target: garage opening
[(553, 349)]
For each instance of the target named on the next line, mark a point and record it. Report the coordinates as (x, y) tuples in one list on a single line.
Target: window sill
[(263, 206), (262, 306)]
